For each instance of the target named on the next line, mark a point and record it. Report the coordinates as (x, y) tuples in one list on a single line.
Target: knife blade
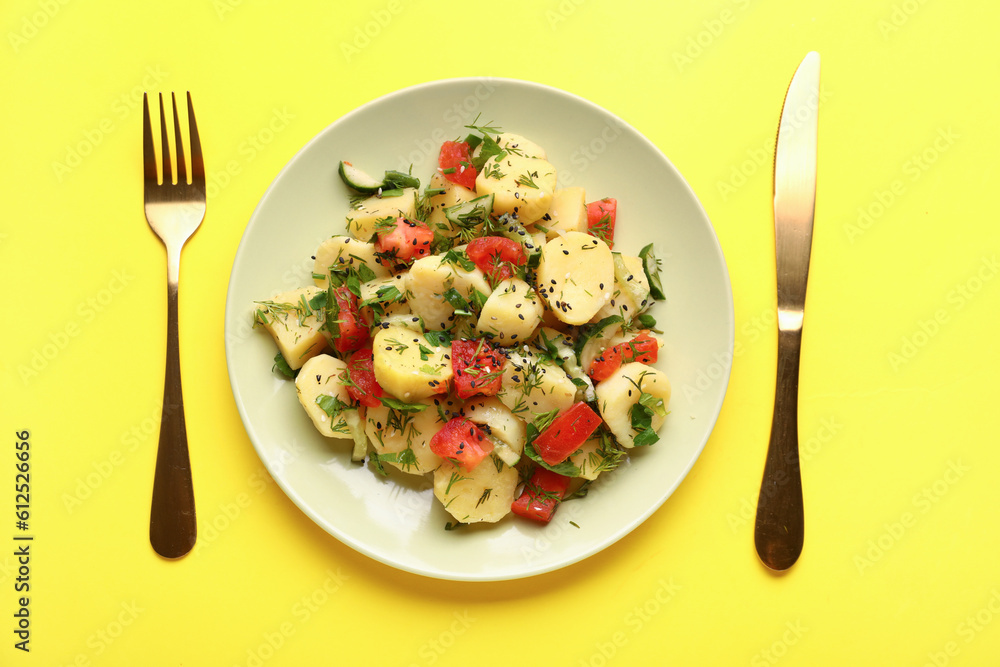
[(780, 522)]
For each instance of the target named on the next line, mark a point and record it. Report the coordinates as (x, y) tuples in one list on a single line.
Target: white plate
[(397, 521)]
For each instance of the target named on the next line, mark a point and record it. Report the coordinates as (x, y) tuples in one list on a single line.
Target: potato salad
[(483, 331)]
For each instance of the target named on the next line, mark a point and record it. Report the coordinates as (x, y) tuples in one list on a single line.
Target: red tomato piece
[(478, 367), (496, 256), (455, 164), (601, 219), (606, 364), (364, 388), (351, 329), (461, 442), (566, 433), (541, 495), (403, 241), (643, 348)]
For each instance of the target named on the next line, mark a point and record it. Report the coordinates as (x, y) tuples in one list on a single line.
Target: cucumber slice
[(590, 331), (514, 230), (357, 428), (651, 266), (470, 214), (634, 287), (358, 180)]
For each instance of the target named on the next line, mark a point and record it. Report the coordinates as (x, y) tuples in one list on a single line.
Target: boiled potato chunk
[(362, 219), (575, 276), (550, 340), (511, 313), (482, 495), (408, 366), (567, 213), (507, 431), (515, 143), (402, 438), (617, 394), (320, 376), (428, 280), (596, 456), (521, 186), (345, 252), (453, 195), (532, 385), (293, 325), (630, 294)]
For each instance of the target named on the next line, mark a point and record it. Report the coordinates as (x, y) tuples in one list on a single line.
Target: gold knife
[(779, 529)]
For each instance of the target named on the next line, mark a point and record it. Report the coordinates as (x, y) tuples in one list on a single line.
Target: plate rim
[(439, 573)]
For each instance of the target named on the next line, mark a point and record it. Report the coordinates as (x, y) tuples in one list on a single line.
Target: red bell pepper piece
[(477, 368), (541, 495), (496, 256), (643, 348), (364, 388), (403, 241), (462, 442), (566, 433), (455, 164), (601, 219)]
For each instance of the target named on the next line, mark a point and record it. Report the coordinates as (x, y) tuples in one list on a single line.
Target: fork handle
[(779, 529), (172, 524)]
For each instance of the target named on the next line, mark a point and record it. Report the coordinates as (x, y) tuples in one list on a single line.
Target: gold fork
[(174, 211)]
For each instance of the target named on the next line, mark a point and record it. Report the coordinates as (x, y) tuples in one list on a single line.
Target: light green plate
[(397, 521)]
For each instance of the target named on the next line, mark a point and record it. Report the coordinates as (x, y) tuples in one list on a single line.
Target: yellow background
[(898, 416)]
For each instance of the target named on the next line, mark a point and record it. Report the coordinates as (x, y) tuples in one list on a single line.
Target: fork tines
[(149, 150)]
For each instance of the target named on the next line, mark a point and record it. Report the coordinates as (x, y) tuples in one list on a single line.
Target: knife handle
[(780, 523)]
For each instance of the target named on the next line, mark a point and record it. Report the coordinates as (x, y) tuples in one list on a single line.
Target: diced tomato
[(566, 433), (606, 364), (496, 256), (477, 367), (364, 388), (601, 219), (461, 442), (456, 164), (403, 241), (541, 495), (351, 330), (643, 348)]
